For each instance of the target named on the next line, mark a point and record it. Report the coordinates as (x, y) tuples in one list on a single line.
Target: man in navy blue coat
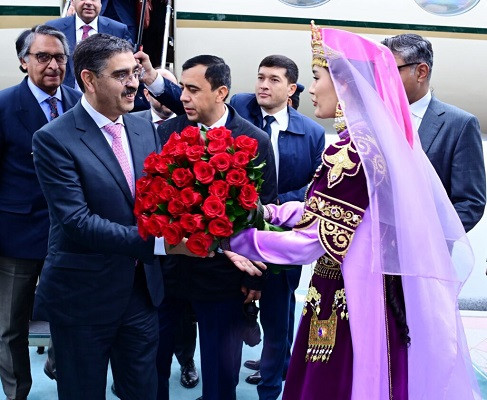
[(298, 142), (87, 14), (24, 220)]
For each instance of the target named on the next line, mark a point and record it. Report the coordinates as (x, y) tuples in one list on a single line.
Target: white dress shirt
[(79, 27), (418, 109)]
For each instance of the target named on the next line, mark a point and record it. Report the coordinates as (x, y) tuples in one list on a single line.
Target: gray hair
[(94, 52), (26, 38), (411, 48)]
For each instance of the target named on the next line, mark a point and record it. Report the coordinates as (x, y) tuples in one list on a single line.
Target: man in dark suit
[(449, 135), (298, 142), (24, 220), (101, 283), (123, 11), (84, 23), (213, 286)]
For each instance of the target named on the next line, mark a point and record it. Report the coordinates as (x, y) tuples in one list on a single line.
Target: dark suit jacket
[(123, 11), (300, 146), (217, 278), (146, 114), (67, 26), (89, 270), (24, 220), (451, 139)]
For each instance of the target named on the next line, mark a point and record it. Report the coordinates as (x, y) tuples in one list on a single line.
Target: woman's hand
[(244, 264)]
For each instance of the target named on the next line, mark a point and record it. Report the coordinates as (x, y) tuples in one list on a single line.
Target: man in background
[(24, 221), (297, 142), (449, 135)]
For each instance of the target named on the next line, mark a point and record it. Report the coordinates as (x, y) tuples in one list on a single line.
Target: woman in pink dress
[(380, 320)]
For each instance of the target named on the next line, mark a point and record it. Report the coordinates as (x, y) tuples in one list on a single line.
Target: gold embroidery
[(327, 268), (339, 163), (322, 333)]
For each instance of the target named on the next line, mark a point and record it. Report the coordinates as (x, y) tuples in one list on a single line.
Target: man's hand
[(244, 264), (182, 249), (250, 294), (150, 74)]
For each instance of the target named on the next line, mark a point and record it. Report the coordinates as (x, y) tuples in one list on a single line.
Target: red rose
[(204, 172), (176, 207), (248, 197), (148, 201), (220, 189), (141, 226), (149, 163), (182, 177), (199, 243), (221, 161), (213, 207), (217, 146), (190, 198), (221, 227), (241, 159), (155, 224), (237, 177), (157, 184), (248, 144), (173, 233), (167, 193), (220, 133), (194, 153), (192, 222), (143, 184), (173, 140), (179, 150), (192, 135)]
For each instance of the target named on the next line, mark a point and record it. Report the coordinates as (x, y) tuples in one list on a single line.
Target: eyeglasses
[(45, 58), (125, 78), (407, 65)]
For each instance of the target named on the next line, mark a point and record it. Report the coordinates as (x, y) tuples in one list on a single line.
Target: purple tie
[(115, 131), (53, 111), (86, 29)]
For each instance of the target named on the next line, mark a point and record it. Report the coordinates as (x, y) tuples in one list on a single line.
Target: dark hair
[(295, 96), (411, 48), (26, 38), (395, 298), (278, 61), (217, 72), (94, 52)]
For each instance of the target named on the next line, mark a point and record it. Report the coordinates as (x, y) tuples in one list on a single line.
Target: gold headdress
[(317, 47)]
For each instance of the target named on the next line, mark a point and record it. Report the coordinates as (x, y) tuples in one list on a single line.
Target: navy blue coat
[(88, 274), (24, 220), (451, 139), (300, 147), (67, 26)]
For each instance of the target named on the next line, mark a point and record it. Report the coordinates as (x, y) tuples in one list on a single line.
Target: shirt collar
[(221, 122), (80, 23), (156, 118), (282, 118), (100, 119), (40, 95), (418, 108)]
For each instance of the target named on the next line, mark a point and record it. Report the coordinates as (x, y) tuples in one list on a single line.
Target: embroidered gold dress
[(321, 364)]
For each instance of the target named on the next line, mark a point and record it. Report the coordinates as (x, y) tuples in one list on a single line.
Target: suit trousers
[(277, 307), (18, 279), (130, 344)]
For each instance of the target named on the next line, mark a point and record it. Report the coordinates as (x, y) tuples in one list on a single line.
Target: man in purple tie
[(24, 220), (101, 282)]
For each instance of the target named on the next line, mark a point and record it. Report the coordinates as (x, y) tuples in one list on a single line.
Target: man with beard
[(24, 219)]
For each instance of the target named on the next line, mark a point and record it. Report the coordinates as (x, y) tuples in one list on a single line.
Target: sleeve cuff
[(157, 87), (159, 247)]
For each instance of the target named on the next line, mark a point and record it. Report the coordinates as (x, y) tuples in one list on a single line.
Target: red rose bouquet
[(203, 185)]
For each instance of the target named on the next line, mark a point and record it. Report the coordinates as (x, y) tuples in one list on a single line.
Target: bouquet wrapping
[(203, 185)]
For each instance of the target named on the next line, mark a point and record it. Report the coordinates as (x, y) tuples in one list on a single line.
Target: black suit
[(99, 303), (213, 286), (24, 227), (451, 139)]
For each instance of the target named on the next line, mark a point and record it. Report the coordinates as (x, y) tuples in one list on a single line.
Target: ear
[(88, 78), (222, 93), (23, 63), (422, 71), (291, 88)]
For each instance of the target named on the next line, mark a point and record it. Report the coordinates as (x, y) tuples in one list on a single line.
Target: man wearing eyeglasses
[(449, 135), (101, 283), (24, 220)]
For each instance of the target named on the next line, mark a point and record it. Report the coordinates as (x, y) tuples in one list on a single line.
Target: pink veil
[(410, 229)]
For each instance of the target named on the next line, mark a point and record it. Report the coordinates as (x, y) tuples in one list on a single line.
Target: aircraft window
[(304, 3), (447, 7)]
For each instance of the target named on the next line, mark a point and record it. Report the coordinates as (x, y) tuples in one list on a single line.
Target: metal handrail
[(165, 39), (65, 8)]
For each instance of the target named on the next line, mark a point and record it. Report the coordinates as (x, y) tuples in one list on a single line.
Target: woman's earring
[(340, 124)]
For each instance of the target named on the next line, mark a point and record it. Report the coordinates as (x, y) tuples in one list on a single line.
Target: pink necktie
[(86, 29), (115, 131)]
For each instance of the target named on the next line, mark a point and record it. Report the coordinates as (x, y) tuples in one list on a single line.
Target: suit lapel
[(30, 113), (68, 99), (256, 113), (431, 124), (93, 138)]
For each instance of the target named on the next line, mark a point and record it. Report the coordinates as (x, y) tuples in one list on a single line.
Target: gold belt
[(327, 268)]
